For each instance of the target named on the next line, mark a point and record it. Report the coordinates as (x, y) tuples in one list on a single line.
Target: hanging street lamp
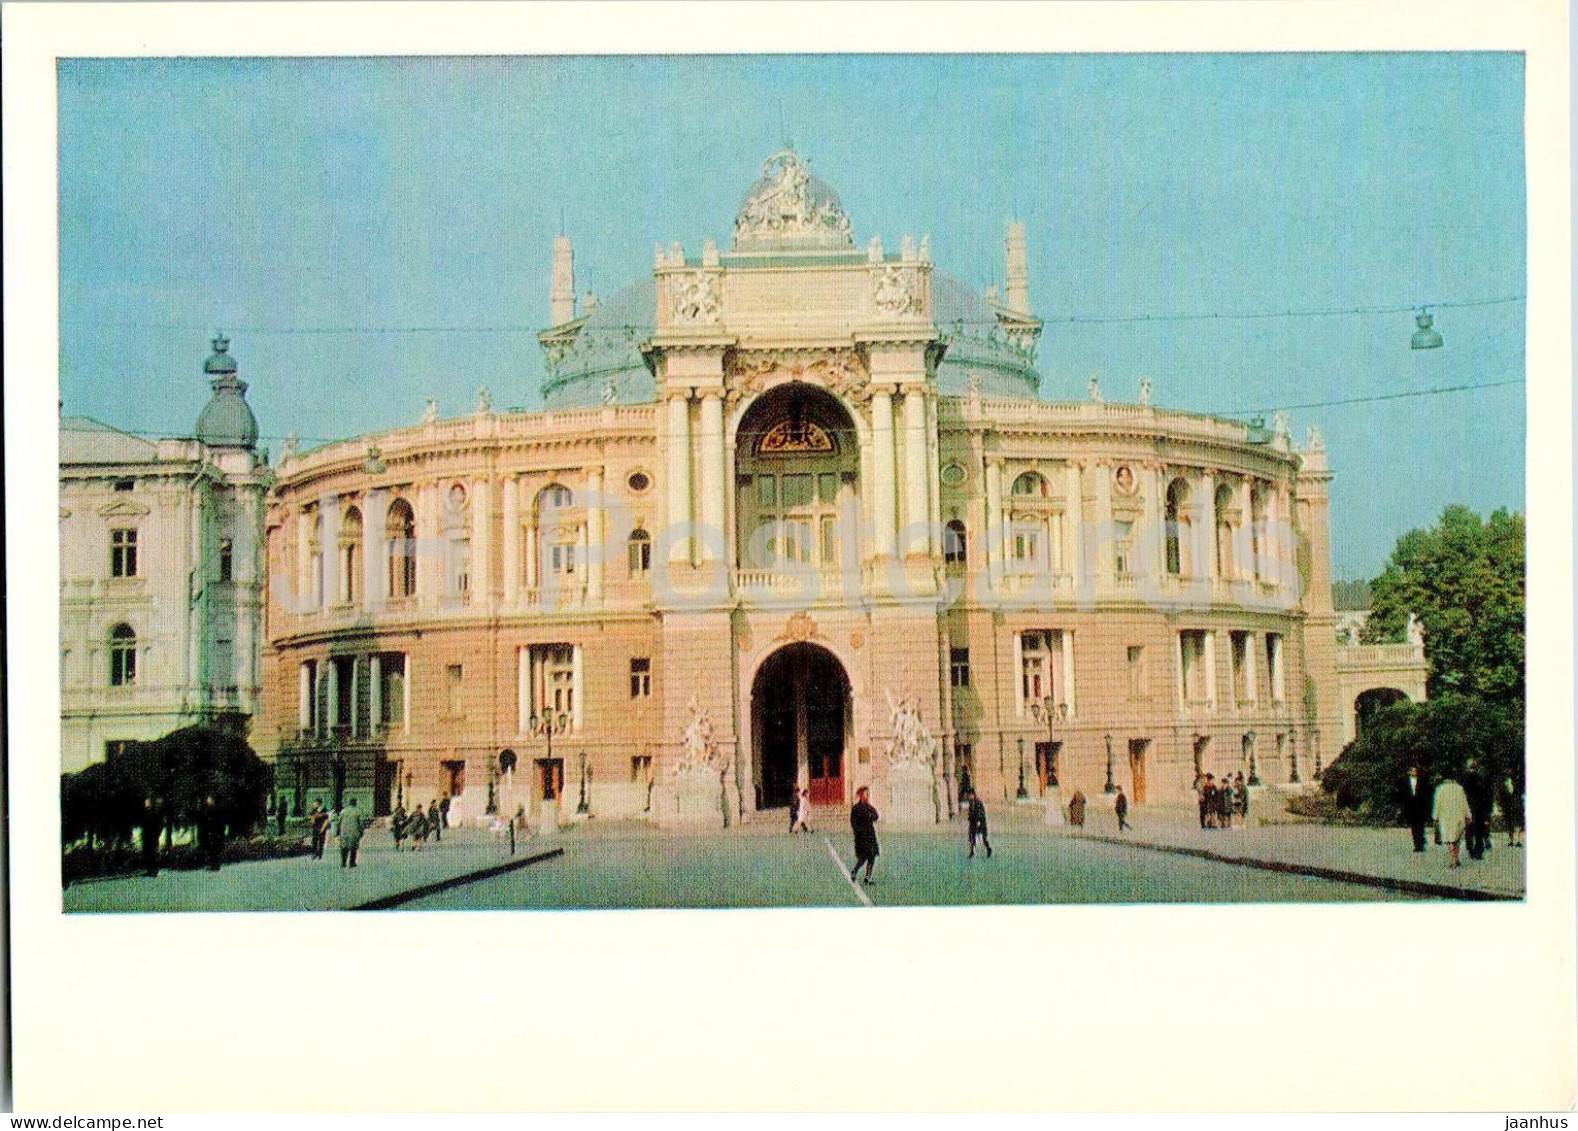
[(1425, 338)]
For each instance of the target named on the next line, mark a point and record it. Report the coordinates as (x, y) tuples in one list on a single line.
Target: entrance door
[(383, 787), (550, 777), (1137, 748), (799, 708)]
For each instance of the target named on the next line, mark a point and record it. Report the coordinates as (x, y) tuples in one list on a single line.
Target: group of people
[(418, 825), (1462, 811), (155, 823), (1220, 801)]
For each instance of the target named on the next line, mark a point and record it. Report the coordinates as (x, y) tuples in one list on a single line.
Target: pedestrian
[(1206, 794), (397, 824), (1476, 783), (1241, 799), (1511, 802), (211, 833), (802, 812), (1416, 806), (349, 830), (1224, 804), (1120, 806), (279, 818), (152, 828), (863, 821), (977, 822), (443, 811), (1451, 815), (1076, 810), (435, 822), (794, 809), (320, 829), (417, 828)]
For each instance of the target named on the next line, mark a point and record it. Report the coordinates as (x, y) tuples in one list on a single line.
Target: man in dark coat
[(1208, 803), (977, 819), (1416, 797), (1476, 782), (279, 818), (863, 820), (1120, 806), (152, 827), (435, 822), (320, 828), (443, 810), (211, 833)]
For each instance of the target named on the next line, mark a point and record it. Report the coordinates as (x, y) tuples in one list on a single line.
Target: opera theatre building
[(794, 515)]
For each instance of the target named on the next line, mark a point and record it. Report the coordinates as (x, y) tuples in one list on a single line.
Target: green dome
[(226, 420)]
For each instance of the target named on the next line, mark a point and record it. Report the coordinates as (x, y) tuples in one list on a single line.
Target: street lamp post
[(1254, 778), (1110, 787), (581, 806), (1293, 753), (547, 725), (1052, 712)]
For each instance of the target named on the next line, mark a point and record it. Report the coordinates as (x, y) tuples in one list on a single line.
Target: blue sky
[(262, 196)]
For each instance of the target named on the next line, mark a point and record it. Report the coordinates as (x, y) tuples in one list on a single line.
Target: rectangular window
[(1036, 666), (827, 484), (1192, 645), (829, 541), (307, 698), (797, 490), (391, 689), (126, 484), (123, 662), (641, 678), (1274, 667), (1123, 543), (1136, 671), (343, 691), (640, 555), (454, 680), (226, 560), (796, 535), (640, 767), (555, 672), (1239, 644), (1027, 543), (767, 491), (561, 558), (959, 667), (123, 553)]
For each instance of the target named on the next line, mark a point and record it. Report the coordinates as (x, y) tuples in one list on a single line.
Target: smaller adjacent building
[(161, 575)]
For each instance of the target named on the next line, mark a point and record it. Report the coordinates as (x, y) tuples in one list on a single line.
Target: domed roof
[(226, 420), (605, 357), (789, 208)]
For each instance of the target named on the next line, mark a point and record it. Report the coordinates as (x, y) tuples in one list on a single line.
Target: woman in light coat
[(1451, 815)]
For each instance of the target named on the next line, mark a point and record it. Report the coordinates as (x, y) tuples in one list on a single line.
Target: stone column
[(916, 504), (375, 550), (596, 529), (304, 719), (429, 546), (994, 534), (1074, 522), (884, 503), (1067, 639), (511, 544), (1155, 519), (1244, 553), (303, 559), (533, 552), (679, 512), (712, 483), (482, 542), (1206, 542), (1106, 552), (375, 693)]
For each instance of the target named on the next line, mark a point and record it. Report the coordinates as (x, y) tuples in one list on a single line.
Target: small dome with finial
[(226, 420)]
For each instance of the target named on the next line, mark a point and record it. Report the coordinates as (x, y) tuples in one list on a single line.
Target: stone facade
[(161, 577), (796, 485)]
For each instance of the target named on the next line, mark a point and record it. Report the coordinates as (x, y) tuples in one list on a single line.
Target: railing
[(806, 581), (1380, 654)]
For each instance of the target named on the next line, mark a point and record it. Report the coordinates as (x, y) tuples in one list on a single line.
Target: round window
[(639, 481), (953, 475)]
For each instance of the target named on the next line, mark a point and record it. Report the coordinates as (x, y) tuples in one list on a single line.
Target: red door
[(827, 776)]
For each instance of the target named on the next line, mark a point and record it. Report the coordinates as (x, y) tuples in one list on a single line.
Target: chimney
[(563, 296), (1018, 287)]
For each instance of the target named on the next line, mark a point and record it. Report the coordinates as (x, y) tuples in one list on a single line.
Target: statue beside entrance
[(700, 792), (912, 767)]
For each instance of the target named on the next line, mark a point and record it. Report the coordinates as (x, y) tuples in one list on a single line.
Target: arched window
[(123, 656), (954, 543), (1225, 565), (350, 555), (400, 530), (315, 559), (1257, 523), (1030, 485), (553, 496), (1177, 500), (640, 552)]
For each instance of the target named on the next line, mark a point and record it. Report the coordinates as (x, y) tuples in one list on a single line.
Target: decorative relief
[(698, 748), (894, 293), (910, 739), (783, 205), (695, 297), (799, 628), (794, 437), (838, 371), (857, 640), (1123, 480), (953, 475)]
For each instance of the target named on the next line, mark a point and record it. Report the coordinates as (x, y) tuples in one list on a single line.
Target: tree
[(1464, 580), (1440, 736)]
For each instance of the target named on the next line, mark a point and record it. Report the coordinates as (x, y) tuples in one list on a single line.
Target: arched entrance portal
[(1371, 701), (799, 722)]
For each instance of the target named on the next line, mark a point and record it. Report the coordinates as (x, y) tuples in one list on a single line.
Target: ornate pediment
[(794, 437), (123, 508), (838, 371)]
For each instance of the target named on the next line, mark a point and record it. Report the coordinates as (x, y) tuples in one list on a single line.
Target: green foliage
[(177, 772), (1464, 580), (1441, 736)]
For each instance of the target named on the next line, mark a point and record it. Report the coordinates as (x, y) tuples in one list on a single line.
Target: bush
[(96, 861), (1441, 736)]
